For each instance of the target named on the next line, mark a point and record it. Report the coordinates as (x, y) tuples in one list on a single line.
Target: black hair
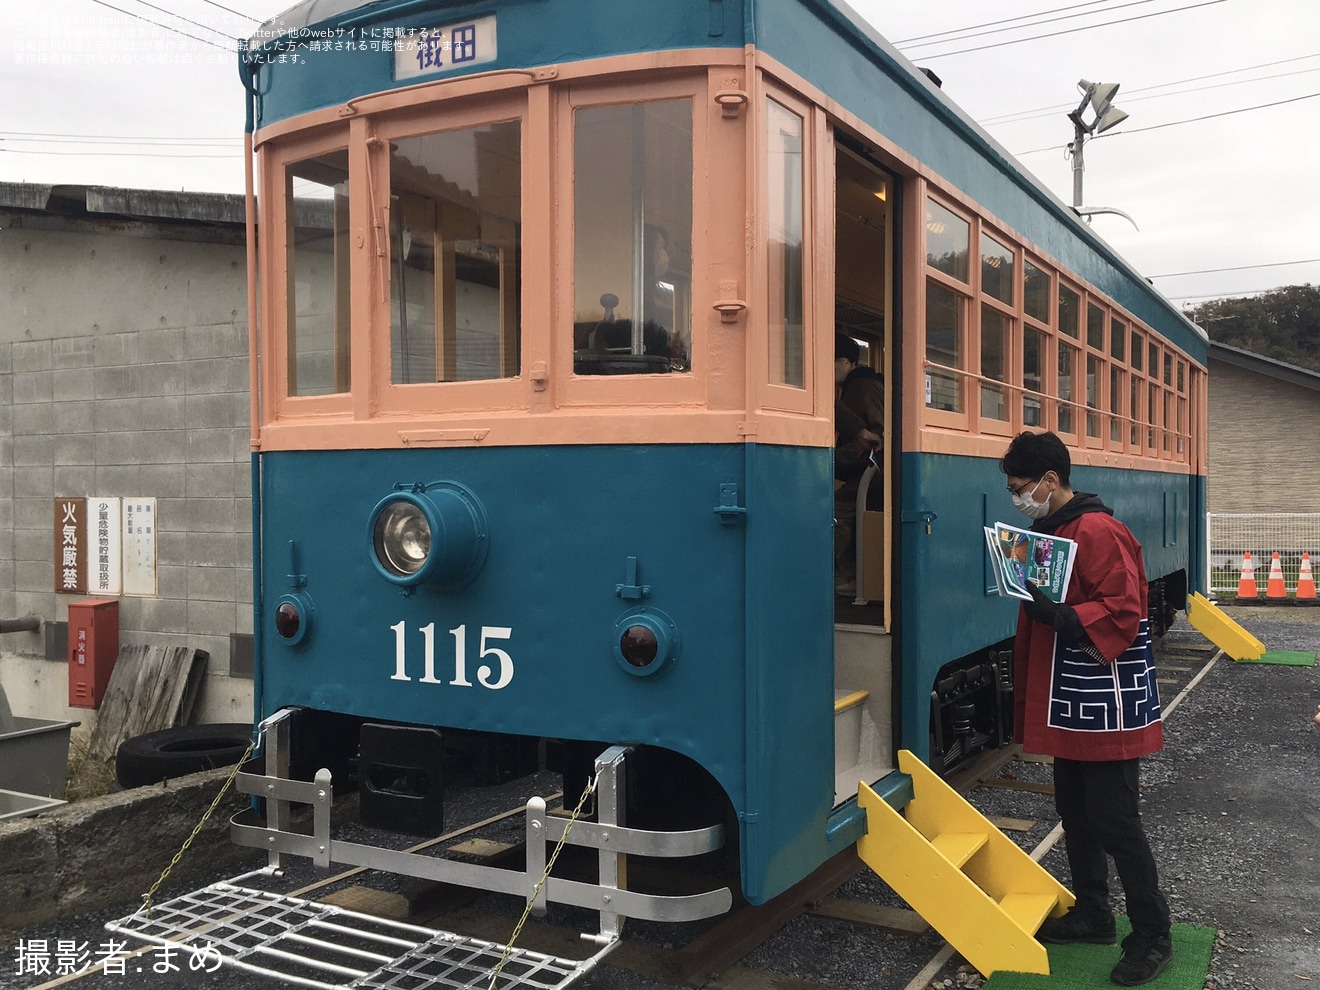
[(846, 347), (1032, 455)]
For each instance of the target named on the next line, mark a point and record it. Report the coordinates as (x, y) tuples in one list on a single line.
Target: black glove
[(1062, 618)]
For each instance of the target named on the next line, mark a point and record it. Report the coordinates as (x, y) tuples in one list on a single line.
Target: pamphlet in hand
[(1019, 556)]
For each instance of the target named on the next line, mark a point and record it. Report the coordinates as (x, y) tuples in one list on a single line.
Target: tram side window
[(455, 255), (944, 347), (948, 248), (316, 191), (784, 247), (632, 231), (1033, 376)]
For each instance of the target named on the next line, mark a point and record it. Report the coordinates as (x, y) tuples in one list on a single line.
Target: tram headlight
[(435, 532), (401, 538)]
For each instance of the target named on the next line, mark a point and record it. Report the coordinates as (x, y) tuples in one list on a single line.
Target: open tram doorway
[(864, 361)]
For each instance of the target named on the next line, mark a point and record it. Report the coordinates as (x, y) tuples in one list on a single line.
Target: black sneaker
[(1074, 927), (1144, 958)]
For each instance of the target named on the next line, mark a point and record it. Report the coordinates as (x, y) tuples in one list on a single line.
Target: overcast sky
[(98, 97)]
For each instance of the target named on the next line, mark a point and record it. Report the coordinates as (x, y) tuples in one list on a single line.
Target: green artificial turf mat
[(1286, 658), (1086, 967)]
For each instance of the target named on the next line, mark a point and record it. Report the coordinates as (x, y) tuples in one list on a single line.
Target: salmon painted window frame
[(1078, 365), (1035, 352), (422, 400), (997, 330), (685, 388), (279, 288), (1068, 413), (788, 312), (1095, 372), (946, 306)]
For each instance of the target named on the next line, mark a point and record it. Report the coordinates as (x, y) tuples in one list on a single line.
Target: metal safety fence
[(1233, 534)]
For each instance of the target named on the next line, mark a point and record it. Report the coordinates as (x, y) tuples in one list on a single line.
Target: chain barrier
[(146, 898), (536, 891)]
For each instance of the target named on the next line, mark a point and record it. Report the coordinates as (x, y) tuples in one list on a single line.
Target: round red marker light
[(639, 646), (287, 620)]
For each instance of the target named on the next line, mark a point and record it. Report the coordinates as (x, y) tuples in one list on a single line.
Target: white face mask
[(1028, 506)]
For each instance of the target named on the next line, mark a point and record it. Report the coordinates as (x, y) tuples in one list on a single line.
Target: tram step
[(319, 945), (972, 883), (1217, 627), (958, 847)]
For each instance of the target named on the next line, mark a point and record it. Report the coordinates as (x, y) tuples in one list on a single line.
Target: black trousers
[(1098, 805)]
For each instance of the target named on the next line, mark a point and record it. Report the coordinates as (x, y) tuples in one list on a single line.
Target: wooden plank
[(1012, 784), (1012, 824), (480, 848), (147, 689), (895, 919), (367, 900)]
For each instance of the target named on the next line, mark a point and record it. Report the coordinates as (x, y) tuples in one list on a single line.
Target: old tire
[(176, 752)]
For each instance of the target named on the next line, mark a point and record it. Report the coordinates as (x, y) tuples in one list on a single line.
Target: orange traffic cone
[(1274, 588), (1247, 583), (1305, 582)]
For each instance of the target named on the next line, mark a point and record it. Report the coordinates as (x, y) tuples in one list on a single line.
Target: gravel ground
[(1229, 806)]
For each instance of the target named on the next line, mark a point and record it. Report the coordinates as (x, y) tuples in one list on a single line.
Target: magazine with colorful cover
[(1019, 556)]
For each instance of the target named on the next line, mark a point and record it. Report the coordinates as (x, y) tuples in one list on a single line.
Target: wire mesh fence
[(1289, 534)]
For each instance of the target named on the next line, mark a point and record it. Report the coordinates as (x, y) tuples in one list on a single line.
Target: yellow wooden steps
[(1028, 910), (1226, 634), (958, 847), (971, 882)]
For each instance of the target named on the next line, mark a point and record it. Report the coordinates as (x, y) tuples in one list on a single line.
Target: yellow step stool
[(971, 882)]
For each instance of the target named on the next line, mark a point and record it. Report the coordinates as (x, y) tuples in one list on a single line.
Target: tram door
[(863, 270), (864, 606)]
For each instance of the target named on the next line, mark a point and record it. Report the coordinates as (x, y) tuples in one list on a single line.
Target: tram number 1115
[(494, 675)]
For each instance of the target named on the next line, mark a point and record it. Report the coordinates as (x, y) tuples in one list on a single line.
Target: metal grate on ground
[(1262, 535), (323, 946)]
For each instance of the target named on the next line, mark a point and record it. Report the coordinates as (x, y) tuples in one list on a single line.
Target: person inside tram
[(660, 336), (862, 392)]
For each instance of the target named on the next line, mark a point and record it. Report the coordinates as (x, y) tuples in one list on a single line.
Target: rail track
[(710, 955)]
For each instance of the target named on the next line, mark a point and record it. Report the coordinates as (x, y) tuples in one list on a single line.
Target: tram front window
[(632, 224), (455, 220), (316, 190)]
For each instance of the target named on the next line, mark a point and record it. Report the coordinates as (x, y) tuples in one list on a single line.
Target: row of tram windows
[(455, 251), (1012, 344)]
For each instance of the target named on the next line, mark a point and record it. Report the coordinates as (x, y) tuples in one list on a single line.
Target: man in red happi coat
[(1085, 693)]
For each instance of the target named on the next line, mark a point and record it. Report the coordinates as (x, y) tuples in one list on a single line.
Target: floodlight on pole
[(1100, 98)]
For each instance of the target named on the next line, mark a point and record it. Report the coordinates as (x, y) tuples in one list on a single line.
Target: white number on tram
[(496, 674)]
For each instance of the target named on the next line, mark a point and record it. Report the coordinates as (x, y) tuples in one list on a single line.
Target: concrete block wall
[(123, 372)]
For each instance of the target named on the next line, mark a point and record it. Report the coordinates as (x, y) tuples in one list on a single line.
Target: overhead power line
[(1172, 123), (1055, 34), (218, 6), (973, 31), (1209, 116), (118, 154), (1006, 20), (170, 13), (36, 137), (1239, 268), (1130, 97), (1226, 295), (163, 27)]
